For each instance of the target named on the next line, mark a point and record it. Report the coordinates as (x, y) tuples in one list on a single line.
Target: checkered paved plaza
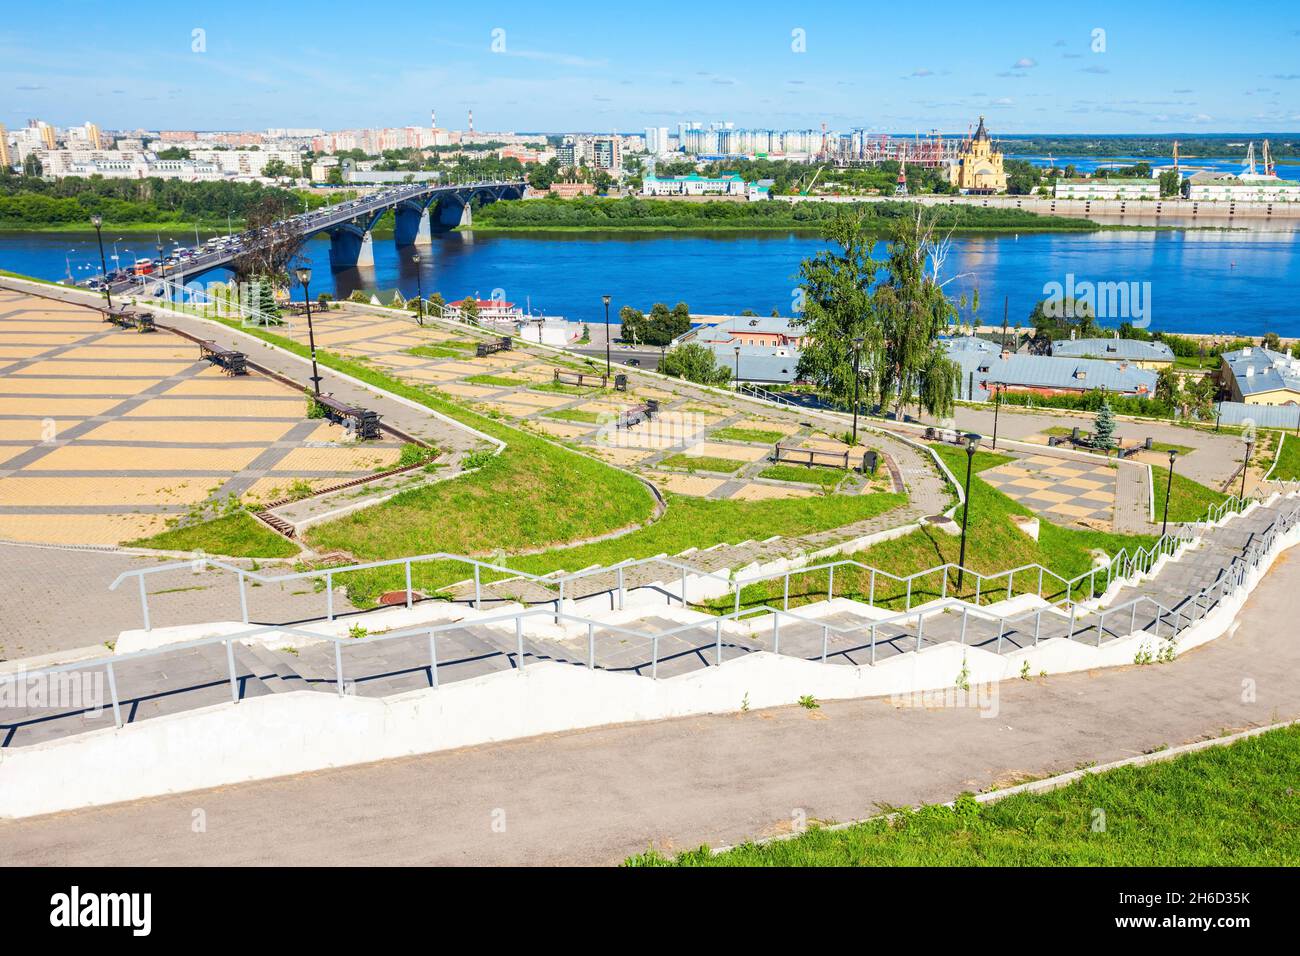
[(107, 433), (1064, 491)]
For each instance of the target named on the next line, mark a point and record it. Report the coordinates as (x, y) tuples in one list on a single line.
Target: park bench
[(487, 348), (795, 455), (638, 413), (582, 379), (232, 362), (620, 382), (129, 319), (362, 421)]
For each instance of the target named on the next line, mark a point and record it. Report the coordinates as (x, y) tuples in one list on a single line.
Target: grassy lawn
[(501, 381), (1224, 806), (238, 535), (703, 463), (823, 477), (738, 433), (436, 351), (1188, 499), (574, 415), (1288, 460), (993, 544)]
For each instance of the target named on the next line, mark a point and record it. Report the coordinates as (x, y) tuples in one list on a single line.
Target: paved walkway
[(594, 797)]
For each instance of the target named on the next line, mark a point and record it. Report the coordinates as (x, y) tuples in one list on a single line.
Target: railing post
[(920, 628), (826, 639), (1038, 625), (591, 646), (943, 587), (433, 658), (871, 596), (1092, 584), (410, 595), (519, 642), (243, 598), (144, 601), (559, 602), (654, 653), (830, 584), (908, 605), (683, 587), (873, 643), (1101, 626), (478, 586), (621, 594), (112, 693), (1002, 627), (329, 599), (1040, 580), (234, 680), (776, 633), (1133, 618), (736, 585), (1074, 608), (785, 594), (717, 642), (338, 666), (1011, 576), (965, 616), (979, 583)]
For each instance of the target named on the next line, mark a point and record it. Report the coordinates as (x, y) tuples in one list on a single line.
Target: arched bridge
[(421, 208)]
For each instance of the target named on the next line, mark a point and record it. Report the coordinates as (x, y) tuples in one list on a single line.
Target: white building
[(728, 184), (1109, 187), (1234, 189)]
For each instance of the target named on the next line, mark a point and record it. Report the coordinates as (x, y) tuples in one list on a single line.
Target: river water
[(1242, 281)]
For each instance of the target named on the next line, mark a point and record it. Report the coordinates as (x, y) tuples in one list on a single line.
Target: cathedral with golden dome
[(978, 169)]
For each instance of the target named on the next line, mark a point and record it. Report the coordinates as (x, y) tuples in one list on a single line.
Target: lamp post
[(1164, 525), (997, 406), (98, 221), (605, 299), (162, 269), (857, 362), (419, 291), (1250, 445), (737, 373), (304, 276), (972, 441)]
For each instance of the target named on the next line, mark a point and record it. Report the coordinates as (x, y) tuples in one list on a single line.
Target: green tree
[(1171, 183), (1168, 385), (32, 165), (469, 309), (1272, 341), (695, 363), (634, 323), (913, 312), (1056, 319), (833, 307), (275, 168), (1104, 436)]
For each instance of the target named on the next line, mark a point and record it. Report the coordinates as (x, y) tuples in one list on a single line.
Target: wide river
[(1241, 281)]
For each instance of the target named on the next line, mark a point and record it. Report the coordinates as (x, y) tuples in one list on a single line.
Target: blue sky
[(890, 66)]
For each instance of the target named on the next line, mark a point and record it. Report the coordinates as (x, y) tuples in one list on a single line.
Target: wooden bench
[(232, 362), (129, 319), (582, 379), (487, 348), (638, 413), (363, 421), (793, 454)]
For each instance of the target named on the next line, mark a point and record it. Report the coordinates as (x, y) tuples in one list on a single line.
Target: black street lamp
[(98, 221), (1164, 525), (857, 376), (972, 441), (419, 291), (608, 371), (737, 374), (304, 276), (1250, 445)]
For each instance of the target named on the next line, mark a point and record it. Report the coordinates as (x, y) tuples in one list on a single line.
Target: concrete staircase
[(681, 641)]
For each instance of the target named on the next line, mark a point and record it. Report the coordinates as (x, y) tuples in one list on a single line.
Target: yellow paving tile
[(124, 388), (17, 351), (359, 459), (31, 430), (106, 370), (537, 400), (564, 429), (54, 407), (721, 450), (201, 408), (694, 485), (467, 391), (429, 374), (32, 489), (756, 492), (125, 458), (127, 430), (81, 528), (162, 351), (236, 386), (622, 456)]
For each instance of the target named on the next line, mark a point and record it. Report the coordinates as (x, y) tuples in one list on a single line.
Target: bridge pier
[(412, 226), (351, 247), (453, 213)]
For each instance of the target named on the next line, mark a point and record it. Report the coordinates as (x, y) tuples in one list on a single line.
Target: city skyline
[(1105, 70)]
